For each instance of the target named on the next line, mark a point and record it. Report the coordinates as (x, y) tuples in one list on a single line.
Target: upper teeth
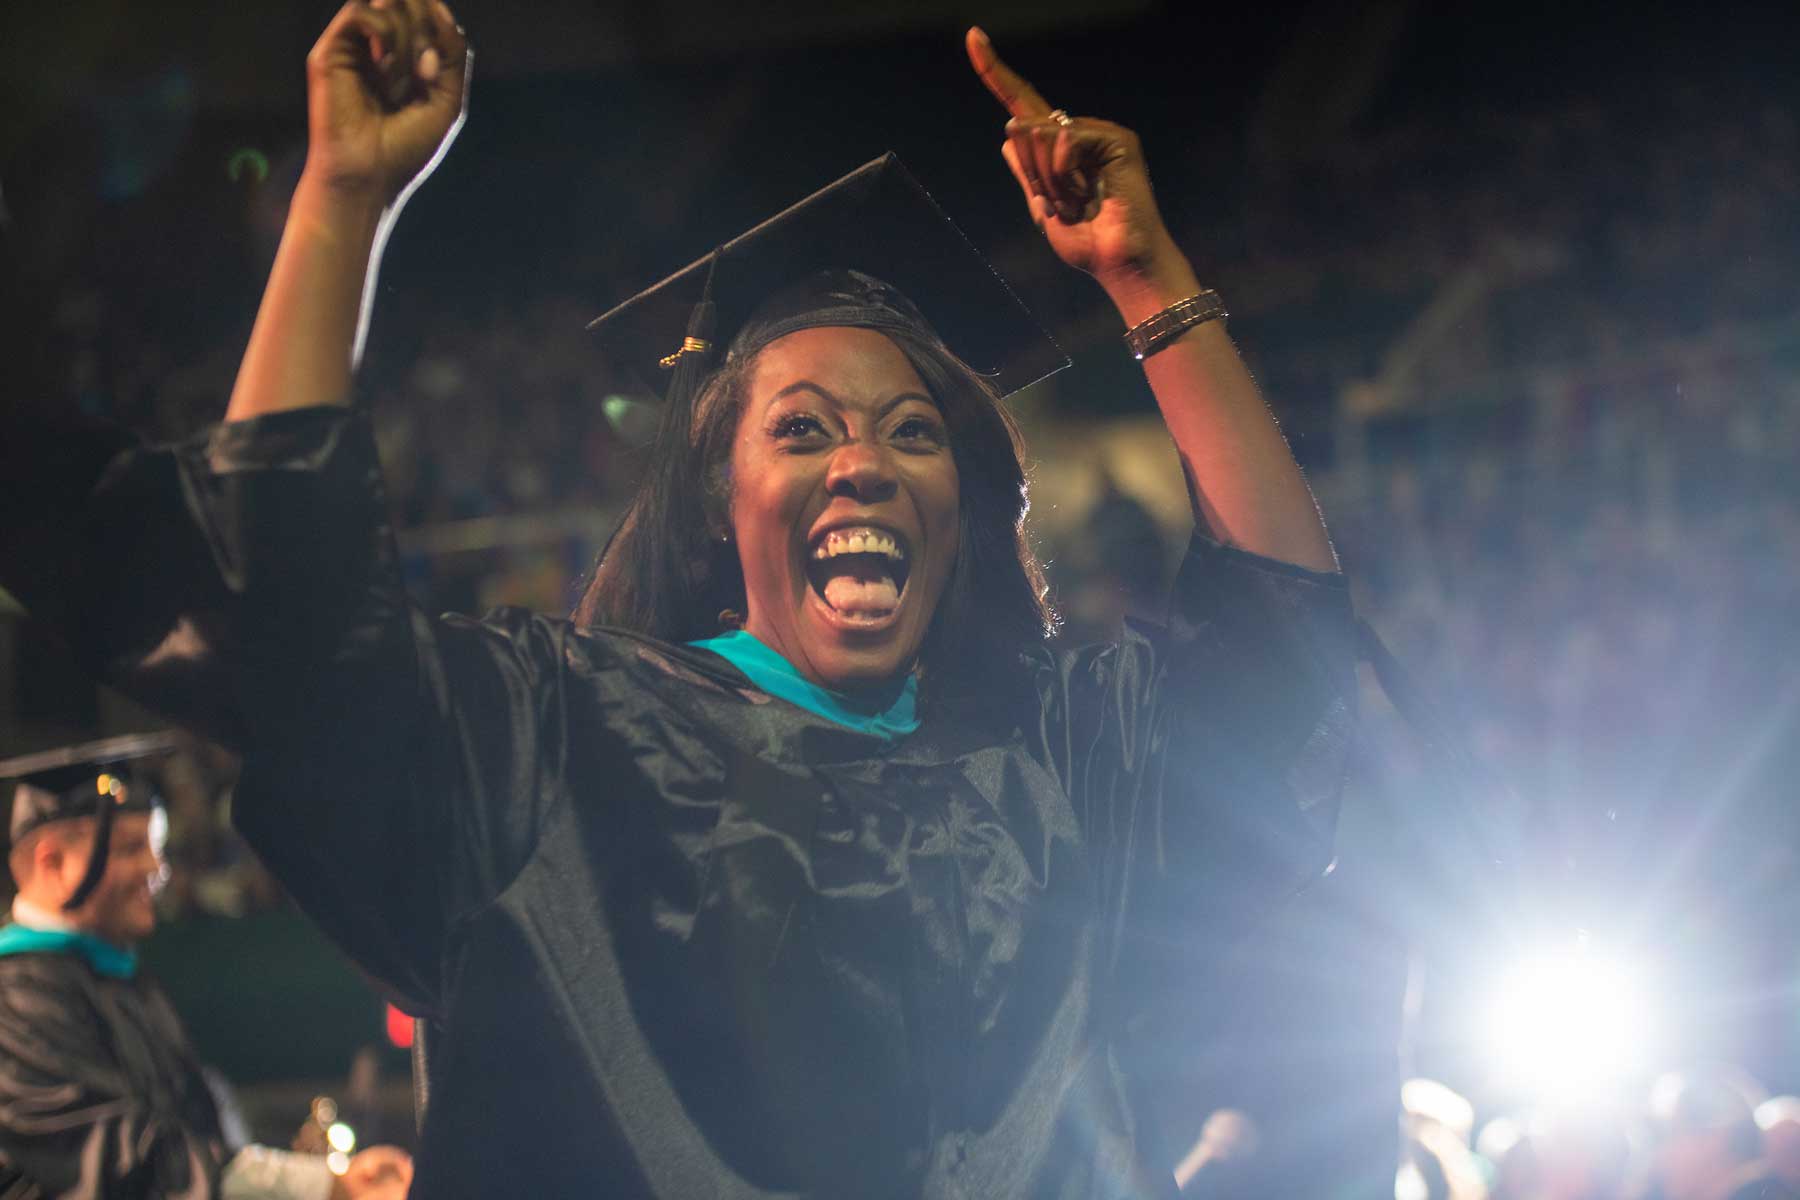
[(859, 541)]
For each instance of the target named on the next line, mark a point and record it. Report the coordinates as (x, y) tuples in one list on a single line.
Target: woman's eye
[(914, 428), (798, 426)]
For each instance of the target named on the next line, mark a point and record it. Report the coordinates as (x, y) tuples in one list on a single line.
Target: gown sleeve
[(1206, 759), (246, 583), (71, 1123)]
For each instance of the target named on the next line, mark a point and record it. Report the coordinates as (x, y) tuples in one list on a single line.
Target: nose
[(861, 472)]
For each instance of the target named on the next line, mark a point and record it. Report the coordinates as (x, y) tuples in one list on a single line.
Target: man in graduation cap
[(100, 1091)]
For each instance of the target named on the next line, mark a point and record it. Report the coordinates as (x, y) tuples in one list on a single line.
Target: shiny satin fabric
[(100, 1093), (679, 938)]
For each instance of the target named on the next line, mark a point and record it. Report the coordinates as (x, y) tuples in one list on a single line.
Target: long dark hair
[(669, 573)]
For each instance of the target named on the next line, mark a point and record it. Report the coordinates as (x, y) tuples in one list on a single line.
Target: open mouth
[(859, 572)]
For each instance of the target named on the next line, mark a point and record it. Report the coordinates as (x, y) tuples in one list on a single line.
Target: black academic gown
[(676, 938), (100, 1092)]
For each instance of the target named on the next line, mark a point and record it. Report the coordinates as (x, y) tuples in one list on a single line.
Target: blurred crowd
[(1604, 228), (1546, 367), (1710, 1134), (1713, 1134)]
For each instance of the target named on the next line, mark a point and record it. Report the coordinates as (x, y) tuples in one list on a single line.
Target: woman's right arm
[(394, 777), (246, 582), (385, 90)]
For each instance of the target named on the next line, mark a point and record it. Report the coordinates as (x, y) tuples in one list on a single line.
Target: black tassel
[(96, 867), (695, 356)]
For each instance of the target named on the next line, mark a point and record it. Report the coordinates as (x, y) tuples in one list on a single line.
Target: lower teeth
[(848, 594)]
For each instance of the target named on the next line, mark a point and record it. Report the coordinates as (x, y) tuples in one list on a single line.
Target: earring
[(730, 620)]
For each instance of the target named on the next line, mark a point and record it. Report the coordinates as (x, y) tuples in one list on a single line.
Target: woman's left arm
[(1089, 191)]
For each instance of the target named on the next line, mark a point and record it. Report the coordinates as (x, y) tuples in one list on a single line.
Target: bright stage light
[(1570, 1026)]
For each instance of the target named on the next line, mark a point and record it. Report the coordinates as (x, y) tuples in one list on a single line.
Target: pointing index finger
[(1019, 97)]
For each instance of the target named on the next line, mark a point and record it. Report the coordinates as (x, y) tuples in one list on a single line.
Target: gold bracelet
[(1156, 331)]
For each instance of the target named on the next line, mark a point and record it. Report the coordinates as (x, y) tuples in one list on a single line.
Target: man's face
[(122, 909)]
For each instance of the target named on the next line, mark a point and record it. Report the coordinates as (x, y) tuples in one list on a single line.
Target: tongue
[(862, 589)]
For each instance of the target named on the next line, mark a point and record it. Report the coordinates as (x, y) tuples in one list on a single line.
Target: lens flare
[(1570, 1026), (340, 1137)]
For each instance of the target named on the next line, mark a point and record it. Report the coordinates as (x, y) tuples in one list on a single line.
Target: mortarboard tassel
[(104, 803), (690, 362)]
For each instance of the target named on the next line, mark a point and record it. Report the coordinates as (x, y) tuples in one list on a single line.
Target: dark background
[(1571, 507)]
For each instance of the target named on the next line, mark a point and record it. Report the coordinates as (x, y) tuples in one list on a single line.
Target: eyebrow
[(807, 385)]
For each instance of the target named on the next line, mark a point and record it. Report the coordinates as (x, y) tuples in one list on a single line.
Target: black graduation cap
[(876, 224), (89, 780)]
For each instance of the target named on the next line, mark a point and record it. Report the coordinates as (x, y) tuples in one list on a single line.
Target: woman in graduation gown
[(863, 898)]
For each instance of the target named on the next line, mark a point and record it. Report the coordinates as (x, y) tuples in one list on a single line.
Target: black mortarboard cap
[(88, 780), (874, 226)]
